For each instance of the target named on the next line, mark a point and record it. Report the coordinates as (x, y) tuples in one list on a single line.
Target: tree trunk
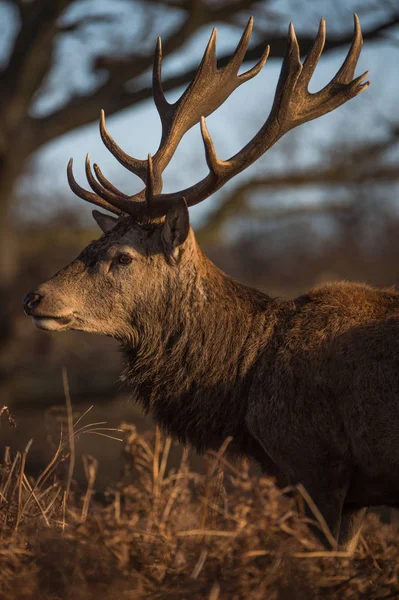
[(12, 163), (8, 242)]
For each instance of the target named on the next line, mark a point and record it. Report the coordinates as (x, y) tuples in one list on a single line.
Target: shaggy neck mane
[(191, 355)]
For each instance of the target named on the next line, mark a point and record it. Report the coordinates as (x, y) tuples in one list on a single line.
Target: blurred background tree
[(321, 205)]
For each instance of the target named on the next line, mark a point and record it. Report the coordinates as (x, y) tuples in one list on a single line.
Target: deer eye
[(124, 259)]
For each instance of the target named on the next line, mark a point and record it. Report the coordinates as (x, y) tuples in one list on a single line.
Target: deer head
[(148, 251)]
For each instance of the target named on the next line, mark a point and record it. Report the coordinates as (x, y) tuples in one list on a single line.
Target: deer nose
[(31, 300)]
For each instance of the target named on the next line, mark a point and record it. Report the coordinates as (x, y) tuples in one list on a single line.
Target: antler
[(293, 105), (209, 89)]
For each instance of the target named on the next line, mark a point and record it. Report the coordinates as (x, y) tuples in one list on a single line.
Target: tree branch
[(83, 21), (112, 96), (31, 57), (358, 166)]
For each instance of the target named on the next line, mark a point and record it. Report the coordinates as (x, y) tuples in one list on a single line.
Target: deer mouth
[(52, 323)]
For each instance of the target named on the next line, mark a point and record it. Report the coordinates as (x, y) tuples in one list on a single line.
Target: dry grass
[(166, 533)]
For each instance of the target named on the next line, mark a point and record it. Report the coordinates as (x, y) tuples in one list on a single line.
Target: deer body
[(309, 387), (296, 383)]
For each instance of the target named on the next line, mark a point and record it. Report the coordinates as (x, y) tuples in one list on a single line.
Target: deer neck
[(196, 353)]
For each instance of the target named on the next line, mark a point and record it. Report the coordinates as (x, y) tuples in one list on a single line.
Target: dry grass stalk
[(71, 437), (320, 519), (150, 538), (90, 465), (20, 501)]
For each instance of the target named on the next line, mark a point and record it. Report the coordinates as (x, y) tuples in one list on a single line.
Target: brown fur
[(309, 388)]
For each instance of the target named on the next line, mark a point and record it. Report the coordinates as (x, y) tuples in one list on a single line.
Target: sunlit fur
[(309, 388)]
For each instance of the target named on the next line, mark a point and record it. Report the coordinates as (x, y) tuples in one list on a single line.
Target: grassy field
[(167, 532)]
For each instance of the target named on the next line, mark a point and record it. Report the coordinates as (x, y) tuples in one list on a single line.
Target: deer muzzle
[(45, 313)]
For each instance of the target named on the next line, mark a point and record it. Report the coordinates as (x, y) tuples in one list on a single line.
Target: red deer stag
[(307, 387)]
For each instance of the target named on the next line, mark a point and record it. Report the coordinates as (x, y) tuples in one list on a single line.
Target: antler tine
[(161, 103), (208, 62), (95, 186), (256, 68), (107, 184), (174, 125), (242, 46), (293, 53), (315, 52), (149, 189), (136, 166), (238, 56), (346, 72), (88, 196), (207, 65), (289, 75), (215, 165), (126, 205)]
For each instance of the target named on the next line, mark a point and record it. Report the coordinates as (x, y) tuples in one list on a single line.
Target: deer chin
[(51, 323)]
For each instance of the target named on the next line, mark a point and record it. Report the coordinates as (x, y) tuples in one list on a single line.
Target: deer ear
[(105, 222), (175, 231)]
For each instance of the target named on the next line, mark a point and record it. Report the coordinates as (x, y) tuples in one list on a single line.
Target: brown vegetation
[(172, 533)]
